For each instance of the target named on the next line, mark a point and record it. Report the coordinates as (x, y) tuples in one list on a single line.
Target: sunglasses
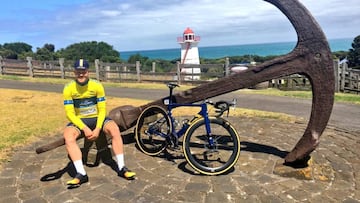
[(81, 72)]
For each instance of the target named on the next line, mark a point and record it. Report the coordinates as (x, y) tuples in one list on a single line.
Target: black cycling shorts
[(90, 122)]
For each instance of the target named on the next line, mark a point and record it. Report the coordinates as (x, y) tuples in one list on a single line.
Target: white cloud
[(111, 13), (150, 24)]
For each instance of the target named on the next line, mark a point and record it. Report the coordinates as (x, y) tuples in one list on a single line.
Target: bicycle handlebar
[(222, 106)]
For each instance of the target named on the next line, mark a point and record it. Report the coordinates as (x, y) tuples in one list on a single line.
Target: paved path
[(333, 177), (259, 176)]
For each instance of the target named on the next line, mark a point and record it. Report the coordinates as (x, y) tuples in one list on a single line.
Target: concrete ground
[(333, 174)]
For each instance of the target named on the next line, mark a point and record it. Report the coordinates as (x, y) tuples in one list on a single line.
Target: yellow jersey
[(84, 101)]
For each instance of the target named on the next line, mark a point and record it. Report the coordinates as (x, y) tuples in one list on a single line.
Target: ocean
[(215, 52)]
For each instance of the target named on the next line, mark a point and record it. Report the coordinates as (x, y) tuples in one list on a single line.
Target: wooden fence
[(111, 72), (347, 79)]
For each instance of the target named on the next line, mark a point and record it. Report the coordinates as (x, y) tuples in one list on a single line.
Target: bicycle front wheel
[(152, 129), (211, 159)]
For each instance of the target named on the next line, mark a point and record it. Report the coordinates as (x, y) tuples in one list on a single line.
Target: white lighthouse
[(190, 52)]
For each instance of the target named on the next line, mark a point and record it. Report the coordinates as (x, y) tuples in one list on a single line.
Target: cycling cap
[(81, 64)]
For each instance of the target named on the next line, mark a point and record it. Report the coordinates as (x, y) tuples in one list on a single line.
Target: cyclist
[(84, 101)]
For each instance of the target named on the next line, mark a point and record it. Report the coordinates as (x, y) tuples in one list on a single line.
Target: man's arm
[(101, 106), (70, 110)]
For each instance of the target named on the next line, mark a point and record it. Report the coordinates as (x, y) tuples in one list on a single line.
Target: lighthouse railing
[(182, 39)]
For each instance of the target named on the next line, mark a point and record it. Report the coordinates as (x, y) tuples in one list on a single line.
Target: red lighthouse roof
[(188, 31)]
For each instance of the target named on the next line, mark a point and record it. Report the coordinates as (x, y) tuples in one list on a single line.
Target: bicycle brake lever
[(234, 102)]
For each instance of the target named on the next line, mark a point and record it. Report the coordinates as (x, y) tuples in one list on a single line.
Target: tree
[(90, 51), (8, 54), (340, 54), (354, 53), (18, 47), (49, 47), (43, 54), (46, 53), (137, 57), (24, 55), (13, 50)]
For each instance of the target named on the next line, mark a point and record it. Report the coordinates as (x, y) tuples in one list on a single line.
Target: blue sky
[(131, 25)]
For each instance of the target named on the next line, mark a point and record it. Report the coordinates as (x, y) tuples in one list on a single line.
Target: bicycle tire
[(152, 129), (211, 161)]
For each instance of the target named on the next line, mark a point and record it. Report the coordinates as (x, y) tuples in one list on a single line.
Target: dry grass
[(29, 115), (26, 115)]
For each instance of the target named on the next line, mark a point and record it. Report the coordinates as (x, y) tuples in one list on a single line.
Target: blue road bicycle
[(210, 144)]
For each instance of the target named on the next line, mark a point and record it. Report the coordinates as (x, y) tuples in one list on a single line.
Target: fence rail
[(347, 79)]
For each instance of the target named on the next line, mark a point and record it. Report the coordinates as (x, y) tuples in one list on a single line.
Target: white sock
[(120, 160), (79, 166)]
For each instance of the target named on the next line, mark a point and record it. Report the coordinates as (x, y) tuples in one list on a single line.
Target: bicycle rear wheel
[(211, 160), (152, 129)]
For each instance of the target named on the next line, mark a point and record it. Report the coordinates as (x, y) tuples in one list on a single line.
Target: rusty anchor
[(311, 57)]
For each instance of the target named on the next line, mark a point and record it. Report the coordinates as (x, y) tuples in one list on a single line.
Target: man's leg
[(113, 130), (70, 135)]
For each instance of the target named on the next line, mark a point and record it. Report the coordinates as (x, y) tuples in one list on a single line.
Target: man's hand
[(95, 134), (91, 135), (87, 132)]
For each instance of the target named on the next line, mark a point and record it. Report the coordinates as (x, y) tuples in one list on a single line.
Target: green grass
[(339, 97), (349, 98)]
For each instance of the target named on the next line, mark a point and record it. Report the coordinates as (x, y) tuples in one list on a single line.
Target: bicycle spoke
[(152, 128), (215, 158)]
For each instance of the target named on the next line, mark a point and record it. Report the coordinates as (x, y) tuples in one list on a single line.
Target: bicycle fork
[(210, 139)]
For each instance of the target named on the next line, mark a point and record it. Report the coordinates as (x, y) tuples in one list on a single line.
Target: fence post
[(153, 66), (343, 71), (137, 64), (107, 72), (227, 64), (29, 65), (336, 72), (357, 84), (192, 73), (351, 80), (97, 69), (289, 82), (1, 66), (62, 69), (178, 72)]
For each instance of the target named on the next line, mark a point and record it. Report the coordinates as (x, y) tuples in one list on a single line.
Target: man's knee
[(111, 128), (71, 134)]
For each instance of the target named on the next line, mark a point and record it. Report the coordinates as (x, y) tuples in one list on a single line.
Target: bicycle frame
[(203, 113)]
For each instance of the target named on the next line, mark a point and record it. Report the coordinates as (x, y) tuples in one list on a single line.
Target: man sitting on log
[(84, 101)]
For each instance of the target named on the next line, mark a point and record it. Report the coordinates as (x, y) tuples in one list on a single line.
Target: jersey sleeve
[(70, 110), (101, 105)]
